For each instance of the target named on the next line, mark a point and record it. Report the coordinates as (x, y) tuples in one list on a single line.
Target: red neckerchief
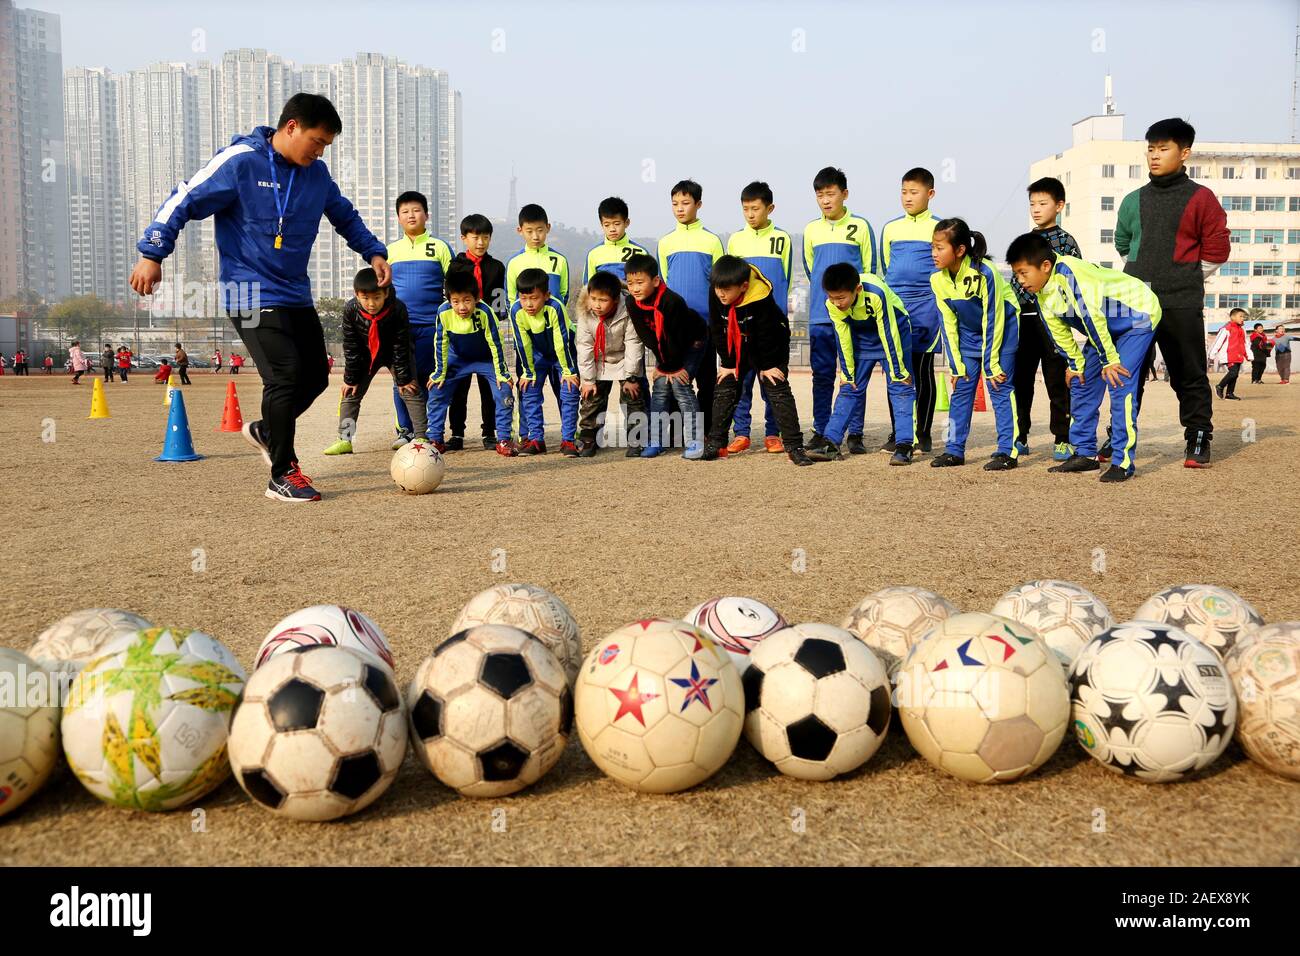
[(600, 338), (733, 335), (372, 338), (659, 316), (478, 270)]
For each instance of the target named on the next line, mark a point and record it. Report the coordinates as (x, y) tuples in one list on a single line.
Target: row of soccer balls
[(320, 728)]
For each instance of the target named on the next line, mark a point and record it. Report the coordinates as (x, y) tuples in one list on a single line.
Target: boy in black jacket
[(679, 341), (750, 331), (376, 333)]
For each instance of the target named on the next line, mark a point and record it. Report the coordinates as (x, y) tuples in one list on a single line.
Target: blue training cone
[(178, 445)]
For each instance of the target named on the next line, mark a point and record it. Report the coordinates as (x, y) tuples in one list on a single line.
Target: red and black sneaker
[(441, 446), (292, 486), (568, 449), (507, 448), (533, 447), (1197, 453)]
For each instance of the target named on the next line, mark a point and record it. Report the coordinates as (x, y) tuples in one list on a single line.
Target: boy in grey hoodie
[(609, 350)]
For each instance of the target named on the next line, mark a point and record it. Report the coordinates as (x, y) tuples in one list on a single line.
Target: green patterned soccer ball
[(145, 726)]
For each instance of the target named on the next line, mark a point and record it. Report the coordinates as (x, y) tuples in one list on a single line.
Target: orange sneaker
[(739, 443), (773, 444)]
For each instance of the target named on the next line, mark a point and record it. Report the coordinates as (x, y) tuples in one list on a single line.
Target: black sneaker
[(586, 448), (489, 443), (1000, 462), (814, 439), (1232, 398), (457, 443), (1218, 390), (889, 445), (1116, 473), (822, 449), (1197, 454), (255, 434), (799, 456), (1104, 453), (926, 444), (292, 486), (947, 460), (713, 452), (633, 451), (856, 445), (902, 454), (1076, 463)]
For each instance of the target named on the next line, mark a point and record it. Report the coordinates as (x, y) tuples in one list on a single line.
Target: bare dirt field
[(90, 520)]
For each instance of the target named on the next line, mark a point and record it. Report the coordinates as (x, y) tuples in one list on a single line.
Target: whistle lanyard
[(279, 207)]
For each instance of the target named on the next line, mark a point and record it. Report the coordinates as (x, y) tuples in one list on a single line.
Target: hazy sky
[(581, 96)]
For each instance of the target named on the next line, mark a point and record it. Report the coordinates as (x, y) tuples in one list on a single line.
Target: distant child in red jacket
[(164, 372), (236, 363), (48, 364), (1236, 354), (1260, 345)]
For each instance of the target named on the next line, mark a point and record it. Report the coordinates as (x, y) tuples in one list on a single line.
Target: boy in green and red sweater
[(1173, 233)]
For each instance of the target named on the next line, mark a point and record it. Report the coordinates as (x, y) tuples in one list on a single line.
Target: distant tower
[(512, 210), (1109, 108)]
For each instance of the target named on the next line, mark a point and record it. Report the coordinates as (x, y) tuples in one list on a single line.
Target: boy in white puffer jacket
[(609, 350)]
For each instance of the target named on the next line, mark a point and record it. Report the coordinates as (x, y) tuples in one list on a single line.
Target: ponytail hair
[(960, 234)]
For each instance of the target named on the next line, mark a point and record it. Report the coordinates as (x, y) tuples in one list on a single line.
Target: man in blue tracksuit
[(267, 191)]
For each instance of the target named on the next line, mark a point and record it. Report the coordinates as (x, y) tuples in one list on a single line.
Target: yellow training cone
[(98, 404), (941, 392), (172, 385)]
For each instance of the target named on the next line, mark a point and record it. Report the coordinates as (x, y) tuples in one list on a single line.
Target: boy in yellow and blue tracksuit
[(768, 249), (980, 332), (871, 326), (419, 262), (838, 236), (534, 226), (905, 255), (467, 342), (1117, 315), (686, 257), (612, 254), (544, 350)]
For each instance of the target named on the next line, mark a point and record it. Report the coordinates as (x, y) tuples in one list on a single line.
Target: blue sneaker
[(1022, 448), (292, 486), (651, 451), (694, 451), (1062, 451)]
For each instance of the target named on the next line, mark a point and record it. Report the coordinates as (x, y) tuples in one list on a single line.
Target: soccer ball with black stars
[(1150, 701), (319, 734), (1063, 614), (1211, 614), (816, 701), (491, 711)]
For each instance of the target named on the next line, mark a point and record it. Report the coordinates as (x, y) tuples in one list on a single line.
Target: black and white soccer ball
[(1151, 701), (491, 711), (816, 701), (319, 733), (1213, 615)]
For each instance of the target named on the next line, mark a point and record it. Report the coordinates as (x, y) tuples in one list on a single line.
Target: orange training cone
[(231, 419), (981, 403), (98, 404)]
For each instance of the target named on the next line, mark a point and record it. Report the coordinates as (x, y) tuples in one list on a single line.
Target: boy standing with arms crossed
[(686, 257), (1172, 233), (838, 236), (419, 262), (905, 254), (769, 250)]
